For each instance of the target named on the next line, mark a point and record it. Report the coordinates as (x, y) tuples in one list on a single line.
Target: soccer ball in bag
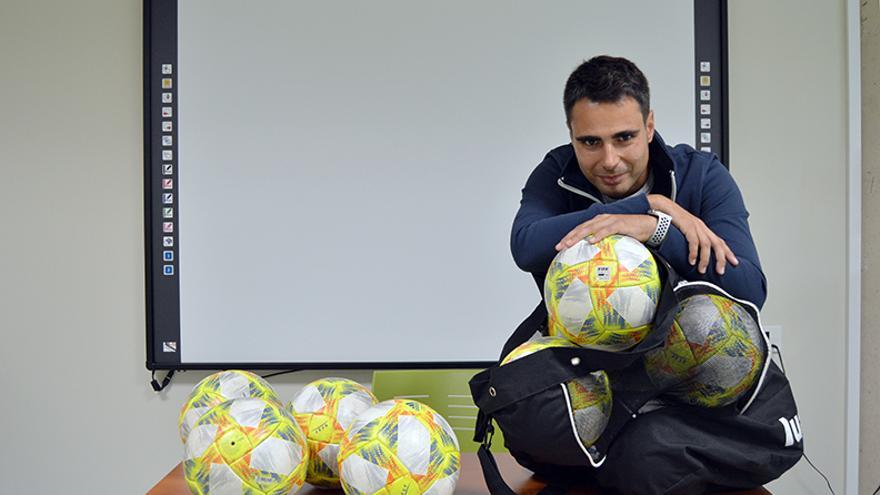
[(589, 396), (603, 295), (245, 447), (218, 388), (713, 353), (399, 447), (324, 409)]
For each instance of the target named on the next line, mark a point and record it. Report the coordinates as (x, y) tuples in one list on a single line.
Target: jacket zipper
[(577, 191)]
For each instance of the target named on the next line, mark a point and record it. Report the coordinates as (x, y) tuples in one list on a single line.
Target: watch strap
[(663, 223)]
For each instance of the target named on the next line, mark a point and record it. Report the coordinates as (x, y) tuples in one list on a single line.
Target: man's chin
[(617, 192)]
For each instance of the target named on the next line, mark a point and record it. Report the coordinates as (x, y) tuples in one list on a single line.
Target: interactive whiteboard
[(332, 184)]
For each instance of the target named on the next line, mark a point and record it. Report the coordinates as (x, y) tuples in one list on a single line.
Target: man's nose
[(610, 158)]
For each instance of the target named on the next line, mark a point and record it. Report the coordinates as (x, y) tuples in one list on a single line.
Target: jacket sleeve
[(544, 218), (723, 211)]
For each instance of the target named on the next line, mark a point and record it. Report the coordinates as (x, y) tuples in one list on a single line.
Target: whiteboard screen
[(345, 174)]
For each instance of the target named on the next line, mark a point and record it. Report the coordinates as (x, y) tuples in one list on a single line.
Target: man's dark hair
[(605, 79)]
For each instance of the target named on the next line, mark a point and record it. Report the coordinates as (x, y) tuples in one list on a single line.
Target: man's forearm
[(534, 235), (744, 281)]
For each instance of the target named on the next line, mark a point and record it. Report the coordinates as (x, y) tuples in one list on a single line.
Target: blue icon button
[(167, 255), (168, 269)]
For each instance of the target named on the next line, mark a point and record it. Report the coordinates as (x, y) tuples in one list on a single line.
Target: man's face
[(611, 144)]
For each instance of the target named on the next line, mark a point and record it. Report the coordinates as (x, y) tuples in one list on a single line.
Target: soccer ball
[(712, 354), (589, 396), (245, 447), (218, 388), (603, 295), (324, 409), (399, 447)]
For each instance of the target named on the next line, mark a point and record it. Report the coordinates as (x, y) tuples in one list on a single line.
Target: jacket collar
[(659, 161)]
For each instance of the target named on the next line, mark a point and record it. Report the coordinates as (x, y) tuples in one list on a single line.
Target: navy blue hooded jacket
[(557, 197)]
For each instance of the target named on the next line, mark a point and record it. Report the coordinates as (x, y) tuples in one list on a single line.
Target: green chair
[(446, 391)]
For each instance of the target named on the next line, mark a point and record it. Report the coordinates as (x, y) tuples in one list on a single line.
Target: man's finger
[(597, 236), (693, 246), (722, 253), (732, 257), (572, 237), (720, 258), (705, 252)]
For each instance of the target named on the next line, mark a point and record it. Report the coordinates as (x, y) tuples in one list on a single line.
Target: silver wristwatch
[(663, 223)]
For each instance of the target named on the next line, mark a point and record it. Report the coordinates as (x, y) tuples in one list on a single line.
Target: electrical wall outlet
[(774, 333)]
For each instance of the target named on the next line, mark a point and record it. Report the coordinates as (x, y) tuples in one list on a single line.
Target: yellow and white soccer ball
[(324, 409), (604, 295), (245, 447), (218, 388), (399, 447), (712, 355), (589, 396)]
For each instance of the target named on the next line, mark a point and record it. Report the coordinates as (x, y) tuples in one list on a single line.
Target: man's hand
[(702, 242), (601, 226)]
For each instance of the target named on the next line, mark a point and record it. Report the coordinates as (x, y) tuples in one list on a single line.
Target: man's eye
[(590, 142), (625, 137)]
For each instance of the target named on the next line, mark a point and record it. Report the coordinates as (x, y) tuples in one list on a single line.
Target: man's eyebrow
[(617, 135), (630, 132)]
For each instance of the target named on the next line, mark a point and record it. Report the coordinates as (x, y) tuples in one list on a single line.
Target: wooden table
[(470, 483)]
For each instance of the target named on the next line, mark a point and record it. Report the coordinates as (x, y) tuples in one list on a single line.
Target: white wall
[(788, 129), (869, 461), (72, 236)]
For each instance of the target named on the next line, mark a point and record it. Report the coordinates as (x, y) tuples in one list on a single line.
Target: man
[(618, 177)]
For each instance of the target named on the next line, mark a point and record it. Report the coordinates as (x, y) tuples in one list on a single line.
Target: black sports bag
[(650, 445)]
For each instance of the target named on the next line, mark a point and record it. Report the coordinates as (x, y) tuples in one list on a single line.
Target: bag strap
[(535, 322), (491, 473), (495, 482)]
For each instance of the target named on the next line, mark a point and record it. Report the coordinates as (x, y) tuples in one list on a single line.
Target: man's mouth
[(611, 180)]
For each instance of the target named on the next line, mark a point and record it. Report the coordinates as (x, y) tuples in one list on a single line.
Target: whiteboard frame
[(162, 291)]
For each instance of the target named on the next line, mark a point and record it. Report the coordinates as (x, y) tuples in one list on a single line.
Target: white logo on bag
[(792, 430)]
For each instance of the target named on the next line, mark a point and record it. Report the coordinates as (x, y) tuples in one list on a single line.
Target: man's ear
[(649, 124)]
